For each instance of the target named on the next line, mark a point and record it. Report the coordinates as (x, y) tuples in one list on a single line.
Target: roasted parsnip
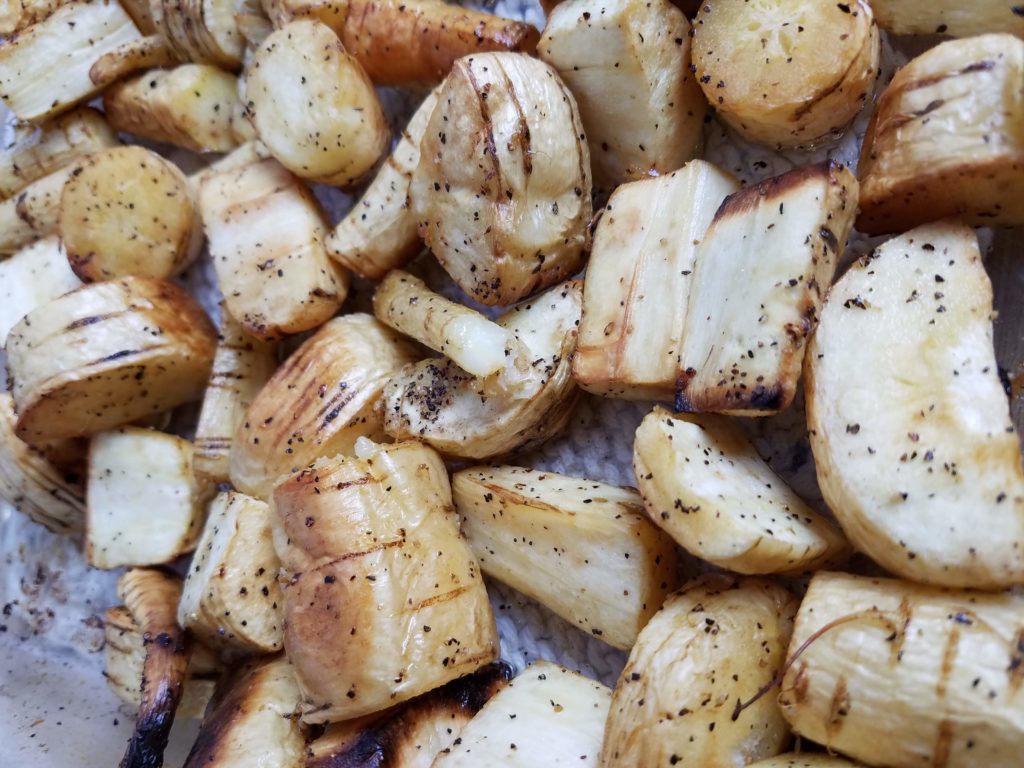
[(203, 31), (139, 54), (945, 141), (714, 644), (902, 675), (703, 482), (786, 72), (379, 233), (638, 281), (15, 15), (105, 355), (32, 276), (908, 420), (584, 549), (33, 212), (627, 63), (742, 351), (948, 17), (318, 403), (383, 600), (502, 189), (265, 231), (548, 715), (313, 105)]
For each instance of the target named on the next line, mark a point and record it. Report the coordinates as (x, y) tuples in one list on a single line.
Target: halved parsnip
[(502, 189), (714, 644), (379, 233), (33, 276), (241, 366), (902, 675), (459, 415), (231, 595), (948, 17), (627, 63), (945, 139), (313, 105), (742, 351), (142, 500), (252, 720), (265, 231), (192, 106), (786, 72), (638, 281), (584, 549), (318, 403), (548, 715), (908, 420), (383, 600), (127, 211), (15, 15), (141, 53), (37, 487), (44, 70), (203, 31), (33, 212), (704, 483), (105, 355), (38, 151), (804, 760)]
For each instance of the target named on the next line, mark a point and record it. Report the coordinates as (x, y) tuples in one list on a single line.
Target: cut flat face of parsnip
[(908, 420), (638, 281), (231, 596), (742, 351), (584, 549), (948, 17), (44, 70), (627, 63), (896, 674), (33, 212), (945, 139), (265, 231), (107, 354), (703, 482), (34, 275), (786, 72), (142, 499), (714, 644), (548, 715), (319, 402)]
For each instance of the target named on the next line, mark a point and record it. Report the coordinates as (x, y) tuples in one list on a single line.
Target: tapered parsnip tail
[(138, 54), (379, 233), (703, 483), (584, 549), (945, 141), (954, 657), (33, 212), (948, 17), (908, 419), (38, 151), (628, 65), (715, 643), (321, 400), (638, 281), (31, 277), (742, 352), (383, 600), (44, 70)]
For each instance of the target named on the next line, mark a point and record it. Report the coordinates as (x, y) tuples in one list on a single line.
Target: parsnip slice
[(33, 276), (33, 212)]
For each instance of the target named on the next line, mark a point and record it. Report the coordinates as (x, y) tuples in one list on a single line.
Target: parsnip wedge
[(33, 276), (703, 482), (548, 715), (948, 17), (638, 281), (33, 213), (908, 420), (584, 549)]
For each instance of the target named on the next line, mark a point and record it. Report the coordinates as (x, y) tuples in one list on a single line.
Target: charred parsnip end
[(379, 233), (547, 715), (908, 419), (948, 17), (627, 63), (703, 483), (586, 550), (107, 354), (638, 281), (742, 352), (33, 212), (313, 105), (509, 221), (383, 600), (265, 231), (319, 402), (945, 139), (714, 644), (951, 662), (31, 277), (141, 53)]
